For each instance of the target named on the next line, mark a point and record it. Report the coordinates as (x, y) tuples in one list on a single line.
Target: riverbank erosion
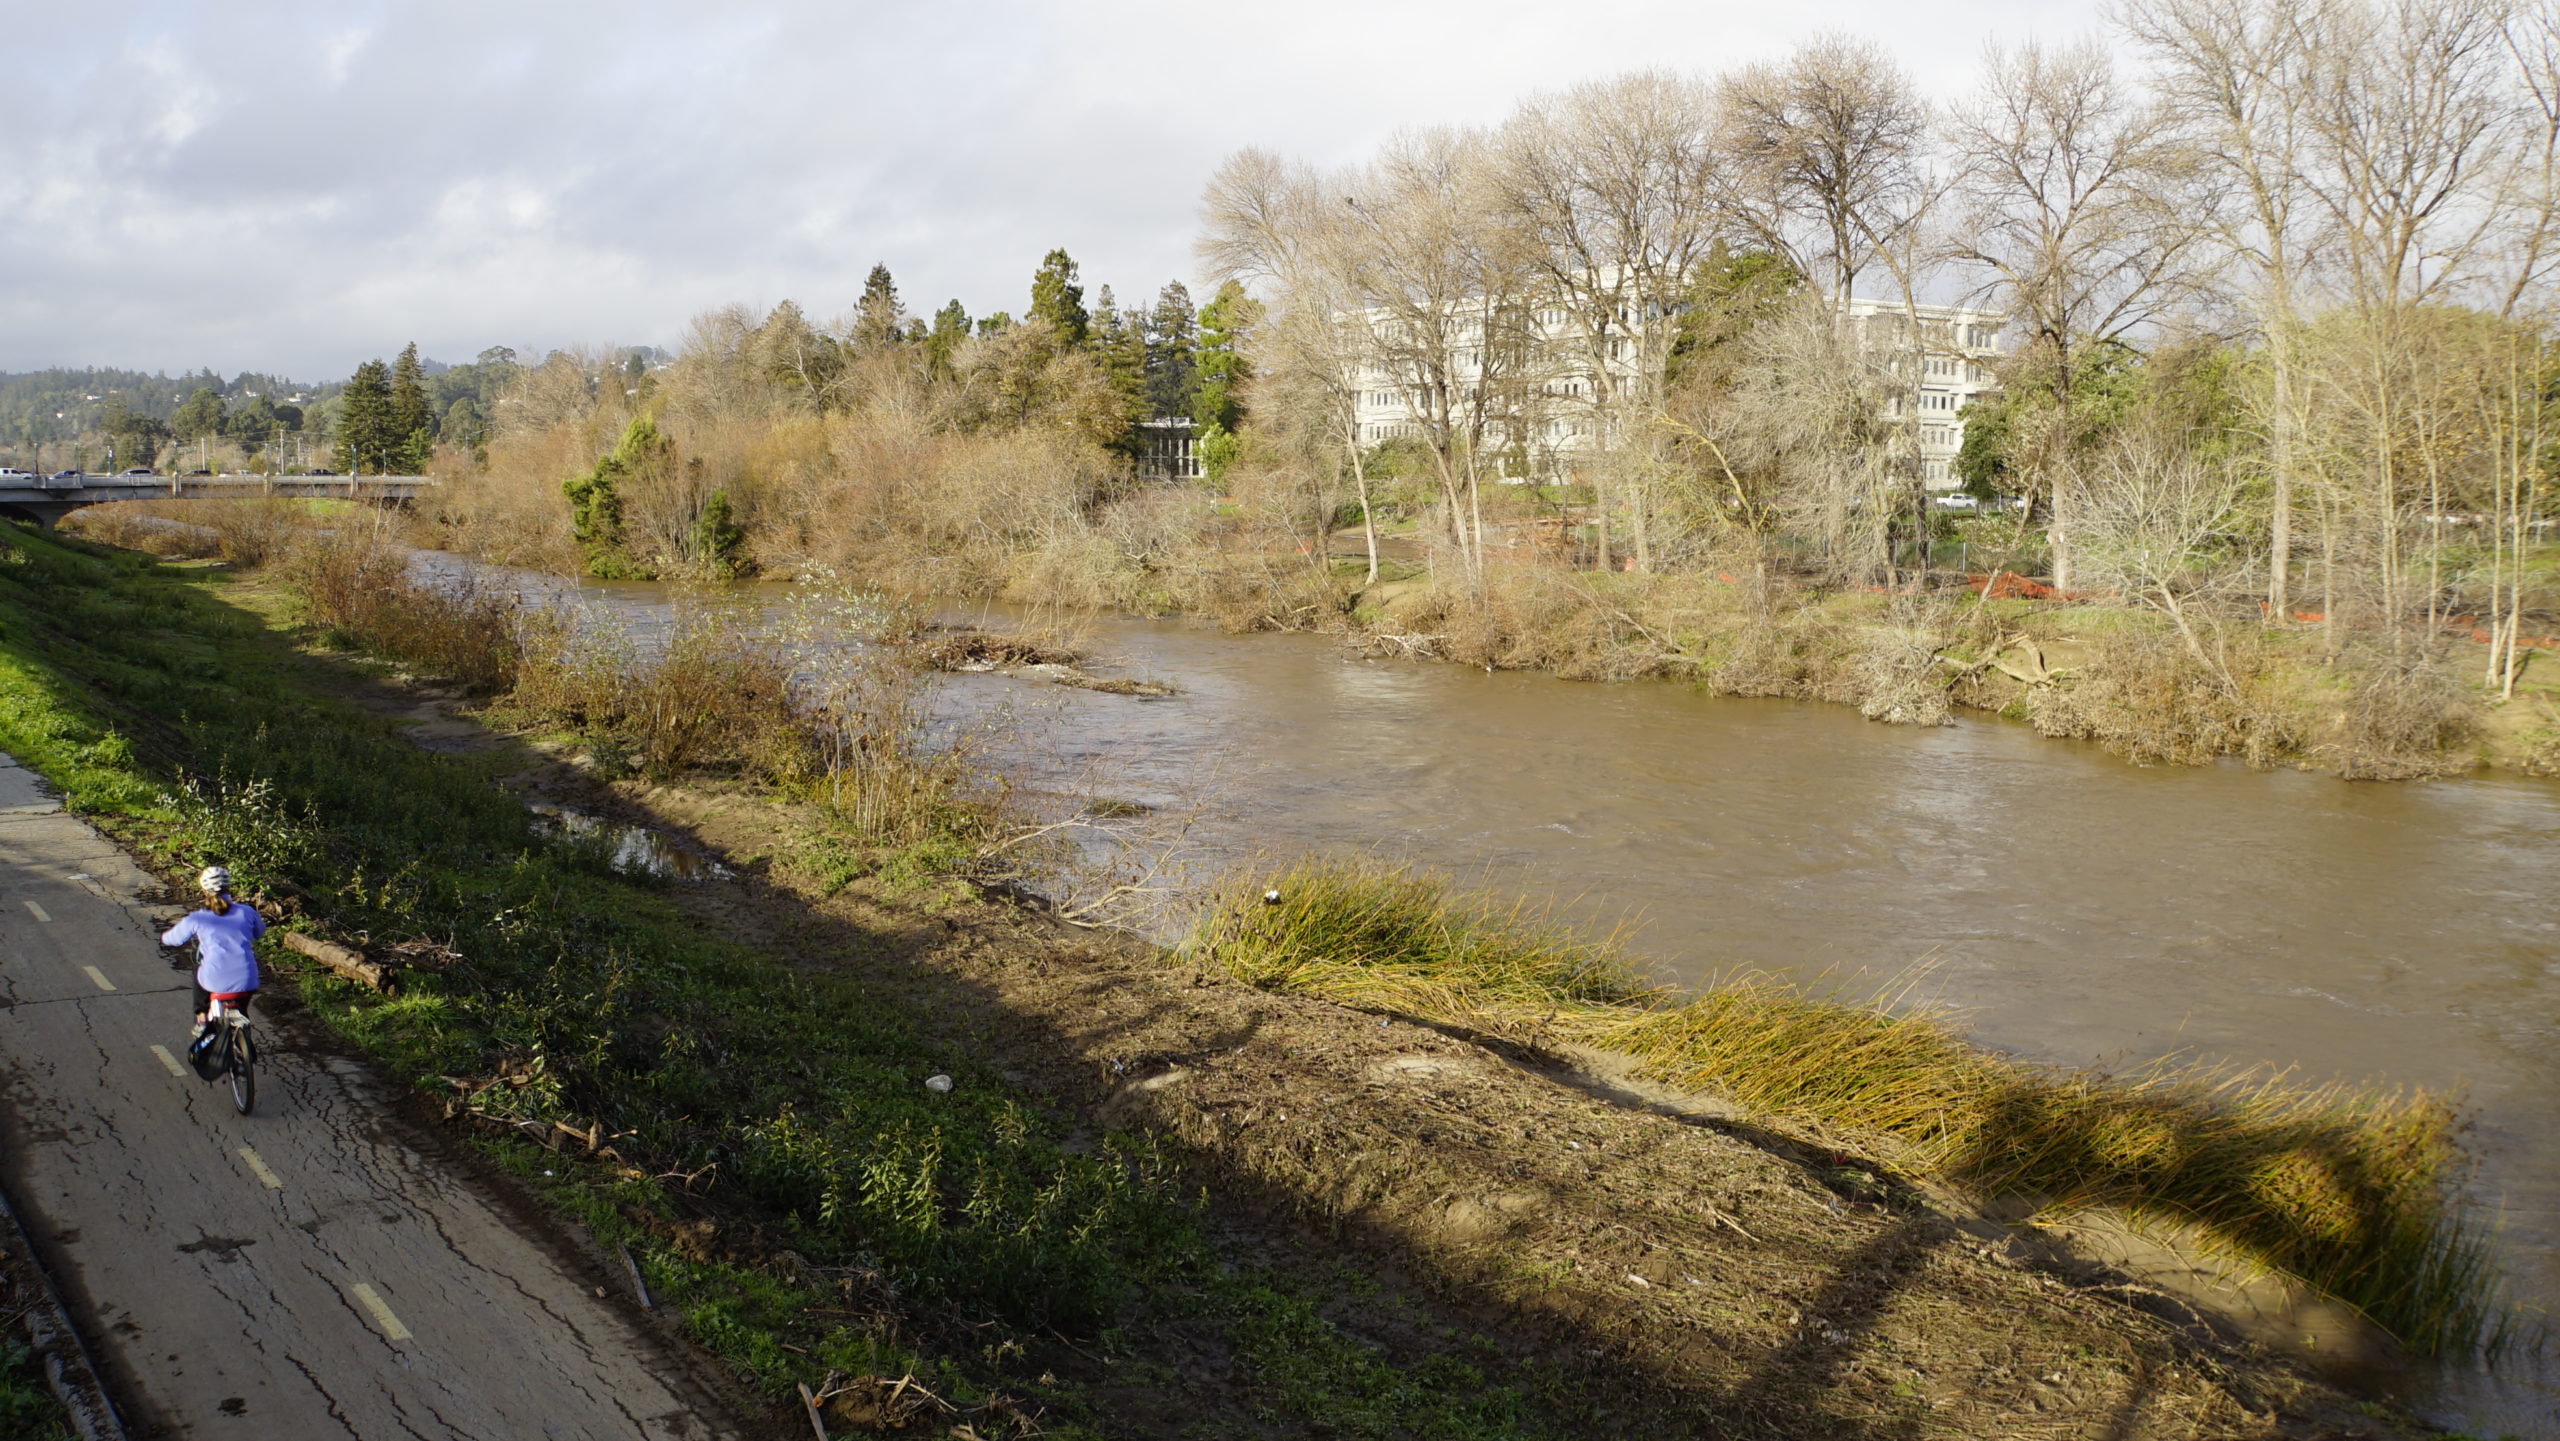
[(1155, 1194)]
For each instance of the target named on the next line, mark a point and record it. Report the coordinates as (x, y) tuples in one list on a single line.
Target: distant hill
[(43, 407)]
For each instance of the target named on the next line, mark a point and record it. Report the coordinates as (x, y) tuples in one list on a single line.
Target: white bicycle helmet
[(214, 881)]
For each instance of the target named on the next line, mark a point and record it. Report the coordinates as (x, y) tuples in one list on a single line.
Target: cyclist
[(225, 931)]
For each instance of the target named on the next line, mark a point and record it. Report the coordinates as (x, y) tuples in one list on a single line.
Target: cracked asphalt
[(302, 1272)]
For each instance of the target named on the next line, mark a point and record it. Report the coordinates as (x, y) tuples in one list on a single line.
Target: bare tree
[(1792, 433), (1443, 300), (1268, 221), (2083, 208), (2533, 185), (2412, 125), (2235, 75), (2165, 529), (1612, 185), (1826, 151)]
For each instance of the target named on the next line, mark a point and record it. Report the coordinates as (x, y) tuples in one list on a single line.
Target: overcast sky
[(293, 187)]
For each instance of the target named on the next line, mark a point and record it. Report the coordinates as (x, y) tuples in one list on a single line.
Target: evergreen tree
[(995, 324), (254, 423), (1058, 302), (879, 321), (1120, 346), (364, 420), (1220, 359), (595, 498), (950, 328), (412, 422), (719, 542), (463, 424), (136, 438), (200, 416), (1172, 378)]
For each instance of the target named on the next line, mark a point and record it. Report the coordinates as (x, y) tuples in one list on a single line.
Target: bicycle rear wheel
[(241, 1060)]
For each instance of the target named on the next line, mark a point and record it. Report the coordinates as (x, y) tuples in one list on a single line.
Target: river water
[(2077, 908)]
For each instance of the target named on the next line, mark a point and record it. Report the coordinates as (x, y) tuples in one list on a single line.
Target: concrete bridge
[(45, 500)]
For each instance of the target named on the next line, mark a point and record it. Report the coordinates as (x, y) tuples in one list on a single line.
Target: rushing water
[(2080, 909)]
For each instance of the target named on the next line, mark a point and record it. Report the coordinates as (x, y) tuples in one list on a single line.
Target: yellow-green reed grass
[(2346, 1190), (359, 588)]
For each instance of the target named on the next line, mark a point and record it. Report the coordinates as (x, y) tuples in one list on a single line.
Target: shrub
[(361, 591)]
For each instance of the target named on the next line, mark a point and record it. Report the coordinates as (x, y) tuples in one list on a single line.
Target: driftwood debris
[(817, 1422), (638, 1286), (348, 963)]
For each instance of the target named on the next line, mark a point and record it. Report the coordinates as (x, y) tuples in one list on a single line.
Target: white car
[(11, 475)]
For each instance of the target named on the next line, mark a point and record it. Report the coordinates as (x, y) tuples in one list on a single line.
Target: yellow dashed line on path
[(40, 915), (168, 1060), (382, 1316), (260, 1169), (100, 977)]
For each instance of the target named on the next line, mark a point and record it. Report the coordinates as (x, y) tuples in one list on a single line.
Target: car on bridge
[(140, 470), (11, 475), (64, 480)]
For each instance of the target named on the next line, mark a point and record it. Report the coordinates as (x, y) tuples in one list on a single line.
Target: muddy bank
[(1754, 1284)]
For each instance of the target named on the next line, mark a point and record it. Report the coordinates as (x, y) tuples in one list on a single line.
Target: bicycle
[(229, 1048)]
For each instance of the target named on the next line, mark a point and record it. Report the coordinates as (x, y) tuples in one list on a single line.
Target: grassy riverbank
[(813, 1210), (2157, 686), (1149, 1204), (2345, 1191)]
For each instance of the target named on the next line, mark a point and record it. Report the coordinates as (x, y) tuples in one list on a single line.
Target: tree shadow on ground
[(1471, 1232)]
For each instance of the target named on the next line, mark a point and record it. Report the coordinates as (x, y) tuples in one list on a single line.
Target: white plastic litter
[(937, 1083)]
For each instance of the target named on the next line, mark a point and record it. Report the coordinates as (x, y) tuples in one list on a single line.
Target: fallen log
[(348, 963)]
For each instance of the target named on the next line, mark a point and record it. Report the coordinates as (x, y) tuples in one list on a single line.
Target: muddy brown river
[(2077, 908)]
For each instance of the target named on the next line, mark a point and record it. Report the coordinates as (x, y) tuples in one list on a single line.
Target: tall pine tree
[(1171, 376), (1220, 358), (1120, 344), (1217, 410), (1058, 302), (950, 328), (412, 422), (364, 420), (879, 321)]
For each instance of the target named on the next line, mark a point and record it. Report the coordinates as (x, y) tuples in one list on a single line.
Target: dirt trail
[(311, 1268)]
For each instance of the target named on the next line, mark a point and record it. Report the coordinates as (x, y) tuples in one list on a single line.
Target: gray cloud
[(296, 186)]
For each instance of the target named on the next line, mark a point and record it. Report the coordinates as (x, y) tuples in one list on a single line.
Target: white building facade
[(1544, 406), (1954, 350)]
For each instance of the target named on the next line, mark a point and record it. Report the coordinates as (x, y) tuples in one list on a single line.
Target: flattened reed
[(2347, 1190)]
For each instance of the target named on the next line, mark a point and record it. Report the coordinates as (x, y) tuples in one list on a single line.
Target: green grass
[(28, 1408), (2349, 1191), (845, 1217)]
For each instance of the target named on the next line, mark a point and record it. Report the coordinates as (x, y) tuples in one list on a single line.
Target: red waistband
[(231, 995)]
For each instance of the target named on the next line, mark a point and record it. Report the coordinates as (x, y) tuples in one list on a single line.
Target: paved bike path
[(297, 1273)]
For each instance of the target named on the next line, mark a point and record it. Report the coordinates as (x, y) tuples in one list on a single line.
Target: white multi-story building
[(1953, 351), (1549, 409)]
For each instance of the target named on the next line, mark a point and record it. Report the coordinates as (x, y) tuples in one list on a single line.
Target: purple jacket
[(225, 961)]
